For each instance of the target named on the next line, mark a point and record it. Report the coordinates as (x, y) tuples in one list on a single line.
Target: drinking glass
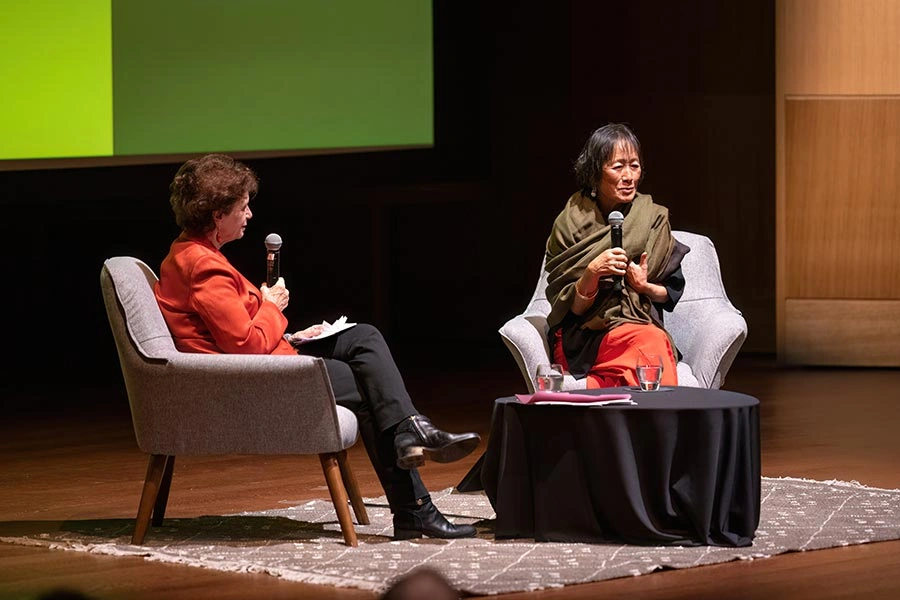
[(649, 371), (548, 378)]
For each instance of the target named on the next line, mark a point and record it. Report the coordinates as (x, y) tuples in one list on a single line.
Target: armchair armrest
[(712, 348), (526, 340)]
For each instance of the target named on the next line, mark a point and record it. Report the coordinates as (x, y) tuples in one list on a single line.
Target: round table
[(681, 467)]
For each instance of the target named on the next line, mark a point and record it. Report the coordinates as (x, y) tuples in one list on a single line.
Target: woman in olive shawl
[(607, 303)]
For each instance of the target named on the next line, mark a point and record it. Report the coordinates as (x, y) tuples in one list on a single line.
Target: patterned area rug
[(303, 543)]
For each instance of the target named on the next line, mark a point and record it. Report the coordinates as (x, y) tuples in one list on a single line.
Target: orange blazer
[(210, 307)]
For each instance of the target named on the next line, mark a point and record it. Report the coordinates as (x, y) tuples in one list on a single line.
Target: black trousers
[(366, 380)]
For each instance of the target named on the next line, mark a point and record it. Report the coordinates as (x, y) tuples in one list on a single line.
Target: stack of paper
[(573, 398)]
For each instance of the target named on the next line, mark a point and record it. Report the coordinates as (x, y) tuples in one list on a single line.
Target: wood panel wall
[(838, 182)]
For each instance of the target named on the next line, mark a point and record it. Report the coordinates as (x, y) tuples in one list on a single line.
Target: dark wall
[(439, 247), (694, 79)]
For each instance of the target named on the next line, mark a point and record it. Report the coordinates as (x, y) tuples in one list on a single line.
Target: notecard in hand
[(570, 398), (329, 329)]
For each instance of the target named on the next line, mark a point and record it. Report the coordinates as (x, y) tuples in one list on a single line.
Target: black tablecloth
[(682, 467)]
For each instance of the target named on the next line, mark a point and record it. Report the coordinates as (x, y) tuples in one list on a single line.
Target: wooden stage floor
[(78, 460)]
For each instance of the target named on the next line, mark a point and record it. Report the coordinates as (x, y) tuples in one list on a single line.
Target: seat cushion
[(349, 426), (686, 376)]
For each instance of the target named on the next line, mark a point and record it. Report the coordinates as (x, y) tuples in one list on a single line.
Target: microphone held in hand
[(616, 219), (273, 258), (615, 224)]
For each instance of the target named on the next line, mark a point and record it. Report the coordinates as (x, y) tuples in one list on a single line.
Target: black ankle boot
[(416, 437), (414, 522)]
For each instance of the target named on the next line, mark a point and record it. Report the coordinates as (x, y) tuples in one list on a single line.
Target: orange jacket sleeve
[(210, 307)]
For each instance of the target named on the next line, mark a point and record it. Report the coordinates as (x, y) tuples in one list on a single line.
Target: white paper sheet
[(330, 329)]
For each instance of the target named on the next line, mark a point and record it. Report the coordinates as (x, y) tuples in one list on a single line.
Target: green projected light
[(57, 79), (126, 78), (269, 74)]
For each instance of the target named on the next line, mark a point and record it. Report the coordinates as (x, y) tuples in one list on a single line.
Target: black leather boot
[(414, 522), (416, 437)]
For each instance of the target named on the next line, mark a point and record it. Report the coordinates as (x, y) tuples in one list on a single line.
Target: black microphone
[(615, 235), (273, 258)]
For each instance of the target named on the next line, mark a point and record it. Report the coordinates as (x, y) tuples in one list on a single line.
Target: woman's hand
[(277, 294), (637, 280), (310, 332), (636, 276), (610, 262)]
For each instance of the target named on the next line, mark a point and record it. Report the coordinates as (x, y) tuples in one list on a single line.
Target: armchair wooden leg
[(152, 481), (332, 469), (352, 487), (162, 497)]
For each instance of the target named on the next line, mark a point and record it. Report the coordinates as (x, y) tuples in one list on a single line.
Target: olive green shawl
[(580, 233)]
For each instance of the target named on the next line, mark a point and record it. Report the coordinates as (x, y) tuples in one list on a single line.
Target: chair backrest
[(132, 309), (702, 273), (706, 326), (185, 403)]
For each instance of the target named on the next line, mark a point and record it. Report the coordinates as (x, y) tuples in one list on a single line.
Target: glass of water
[(548, 378), (649, 371)]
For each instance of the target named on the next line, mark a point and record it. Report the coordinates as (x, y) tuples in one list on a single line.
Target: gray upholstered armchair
[(206, 404), (706, 327)]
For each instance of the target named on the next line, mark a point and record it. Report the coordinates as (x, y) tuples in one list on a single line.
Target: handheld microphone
[(273, 258), (615, 234)]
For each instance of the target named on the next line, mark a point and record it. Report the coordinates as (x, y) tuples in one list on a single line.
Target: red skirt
[(616, 363)]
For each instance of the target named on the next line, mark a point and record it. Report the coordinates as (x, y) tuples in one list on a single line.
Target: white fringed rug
[(303, 543)]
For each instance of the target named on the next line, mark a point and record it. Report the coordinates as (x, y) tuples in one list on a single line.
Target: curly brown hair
[(207, 185)]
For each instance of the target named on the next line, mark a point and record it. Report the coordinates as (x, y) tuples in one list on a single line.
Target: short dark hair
[(598, 150), (206, 185)]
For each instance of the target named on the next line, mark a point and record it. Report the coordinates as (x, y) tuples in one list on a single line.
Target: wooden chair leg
[(162, 498), (332, 469), (352, 487), (152, 481)]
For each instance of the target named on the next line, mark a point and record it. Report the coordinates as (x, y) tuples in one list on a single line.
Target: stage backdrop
[(101, 78), (440, 246)]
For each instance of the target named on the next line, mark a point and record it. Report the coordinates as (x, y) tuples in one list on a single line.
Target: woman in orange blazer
[(210, 307)]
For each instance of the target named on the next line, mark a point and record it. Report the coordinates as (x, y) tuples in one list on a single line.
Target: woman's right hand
[(310, 332), (610, 262), (277, 294)]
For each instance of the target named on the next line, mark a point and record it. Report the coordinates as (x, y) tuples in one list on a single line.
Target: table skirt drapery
[(680, 468)]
